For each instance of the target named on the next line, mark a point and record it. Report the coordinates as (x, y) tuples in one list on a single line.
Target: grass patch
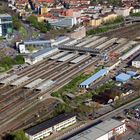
[(31, 48), (101, 29), (135, 14), (1, 38), (72, 85), (35, 34), (23, 32)]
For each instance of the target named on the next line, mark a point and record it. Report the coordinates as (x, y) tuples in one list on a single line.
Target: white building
[(23, 46), (46, 128), (136, 62), (103, 131), (64, 22), (136, 9), (40, 55), (122, 12)]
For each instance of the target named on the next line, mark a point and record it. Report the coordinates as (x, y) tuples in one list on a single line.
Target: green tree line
[(42, 26), (113, 2), (7, 62)]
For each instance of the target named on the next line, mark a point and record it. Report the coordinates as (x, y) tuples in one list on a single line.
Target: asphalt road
[(104, 117)]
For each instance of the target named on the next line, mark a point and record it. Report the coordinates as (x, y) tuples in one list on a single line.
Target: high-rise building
[(5, 24)]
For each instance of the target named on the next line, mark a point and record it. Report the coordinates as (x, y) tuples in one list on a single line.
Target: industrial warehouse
[(103, 131)]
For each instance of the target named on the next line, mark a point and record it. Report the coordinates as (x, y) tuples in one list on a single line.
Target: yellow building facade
[(109, 17), (40, 18), (95, 22), (102, 19)]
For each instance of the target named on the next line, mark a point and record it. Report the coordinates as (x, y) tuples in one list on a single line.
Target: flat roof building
[(123, 77), (102, 131), (131, 73), (46, 128)]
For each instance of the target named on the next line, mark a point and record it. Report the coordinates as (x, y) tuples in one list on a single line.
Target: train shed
[(67, 57), (131, 52), (8, 80), (61, 54), (126, 46), (106, 44), (33, 83), (96, 42), (121, 40), (80, 58), (3, 75), (93, 78), (71, 43), (87, 41), (20, 81), (45, 85)]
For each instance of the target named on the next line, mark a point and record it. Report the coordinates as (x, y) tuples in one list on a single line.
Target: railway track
[(15, 107), (39, 64), (7, 91), (129, 32), (36, 69), (4, 89), (27, 121), (17, 90), (12, 109)]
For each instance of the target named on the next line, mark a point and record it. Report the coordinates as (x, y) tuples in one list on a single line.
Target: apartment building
[(102, 18), (64, 22)]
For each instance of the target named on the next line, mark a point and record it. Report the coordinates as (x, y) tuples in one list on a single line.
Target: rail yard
[(16, 95), (31, 87), (131, 32)]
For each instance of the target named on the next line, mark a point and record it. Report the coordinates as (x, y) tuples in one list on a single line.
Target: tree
[(33, 21), (62, 108), (19, 135), (19, 59), (48, 25), (42, 27), (7, 61), (16, 23)]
